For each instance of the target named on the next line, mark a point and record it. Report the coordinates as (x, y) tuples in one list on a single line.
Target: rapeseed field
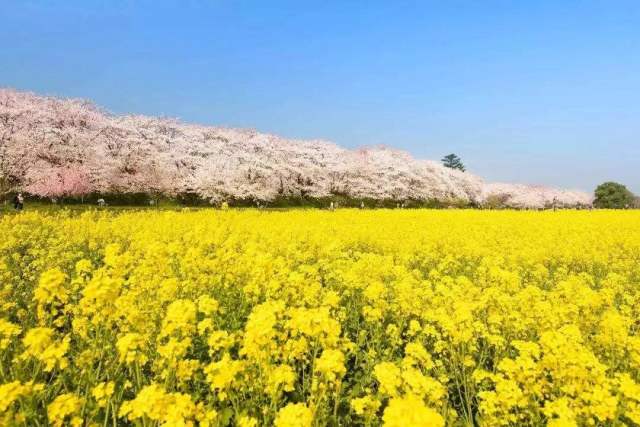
[(313, 318)]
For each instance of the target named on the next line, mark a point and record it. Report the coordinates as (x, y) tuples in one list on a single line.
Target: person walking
[(18, 202)]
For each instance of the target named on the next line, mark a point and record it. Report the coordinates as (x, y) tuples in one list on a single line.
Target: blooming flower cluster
[(54, 147), (309, 318)]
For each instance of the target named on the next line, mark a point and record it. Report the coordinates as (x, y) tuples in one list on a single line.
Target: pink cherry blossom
[(55, 147)]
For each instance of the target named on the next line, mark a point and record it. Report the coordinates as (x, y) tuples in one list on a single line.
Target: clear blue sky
[(528, 91)]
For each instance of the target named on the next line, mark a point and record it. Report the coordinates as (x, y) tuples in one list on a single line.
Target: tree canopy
[(65, 148), (452, 161), (612, 195)]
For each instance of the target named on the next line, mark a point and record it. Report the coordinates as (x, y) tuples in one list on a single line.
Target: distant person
[(361, 205), (331, 206), (18, 202)]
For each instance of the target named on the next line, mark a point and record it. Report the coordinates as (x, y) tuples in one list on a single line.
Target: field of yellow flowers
[(313, 318)]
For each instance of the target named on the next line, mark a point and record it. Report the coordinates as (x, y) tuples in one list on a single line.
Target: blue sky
[(544, 92)]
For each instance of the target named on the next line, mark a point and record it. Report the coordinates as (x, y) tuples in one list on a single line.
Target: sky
[(542, 92)]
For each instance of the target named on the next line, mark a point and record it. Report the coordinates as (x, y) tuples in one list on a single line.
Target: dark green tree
[(452, 161), (612, 195)]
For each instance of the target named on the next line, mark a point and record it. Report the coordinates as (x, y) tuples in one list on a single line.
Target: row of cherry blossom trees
[(533, 196), (53, 147)]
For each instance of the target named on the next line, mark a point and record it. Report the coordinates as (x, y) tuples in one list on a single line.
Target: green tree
[(452, 161), (612, 195)]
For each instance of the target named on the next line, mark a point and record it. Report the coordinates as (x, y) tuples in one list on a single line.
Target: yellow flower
[(207, 305), (10, 392), (409, 317), (389, 377), (331, 365), (247, 421), (223, 373), (51, 296), (365, 406), (103, 392), (281, 378), (410, 411), (180, 411), (206, 417), (426, 387), (180, 319), (7, 331), (130, 348), (51, 287), (219, 340), (294, 415), (63, 407), (153, 402), (417, 354), (83, 267), (40, 344)]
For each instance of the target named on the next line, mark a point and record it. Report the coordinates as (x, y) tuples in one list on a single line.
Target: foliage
[(59, 182), (496, 201), (43, 140), (531, 196), (394, 317), (452, 161), (612, 195)]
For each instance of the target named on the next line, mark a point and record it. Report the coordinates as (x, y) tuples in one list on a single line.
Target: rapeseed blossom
[(103, 392), (40, 344), (65, 407), (294, 415), (8, 331), (300, 318)]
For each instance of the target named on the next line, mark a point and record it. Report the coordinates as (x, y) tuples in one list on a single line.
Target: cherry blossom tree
[(535, 196), (64, 147), (58, 182)]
